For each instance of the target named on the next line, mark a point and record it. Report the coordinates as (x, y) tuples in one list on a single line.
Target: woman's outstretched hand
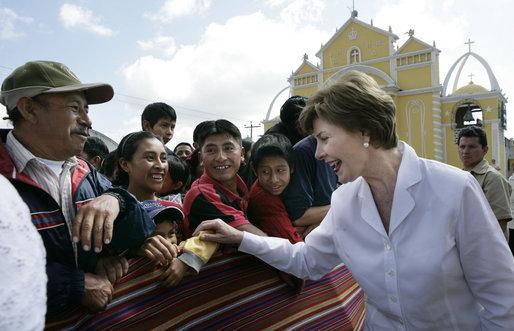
[(223, 233)]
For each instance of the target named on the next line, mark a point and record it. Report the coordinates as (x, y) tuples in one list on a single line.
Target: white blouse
[(445, 264), (22, 265)]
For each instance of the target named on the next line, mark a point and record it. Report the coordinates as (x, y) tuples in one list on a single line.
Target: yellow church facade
[(429, 113)]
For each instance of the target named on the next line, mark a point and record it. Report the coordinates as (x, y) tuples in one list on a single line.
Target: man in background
[(95, 151), (472, 142)]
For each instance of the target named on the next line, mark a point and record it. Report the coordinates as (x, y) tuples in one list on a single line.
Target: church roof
[(305, 62), (415, 41), (351, 20), (470, 88)]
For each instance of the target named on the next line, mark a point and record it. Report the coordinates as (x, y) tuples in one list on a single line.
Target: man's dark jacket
[(65, 277)]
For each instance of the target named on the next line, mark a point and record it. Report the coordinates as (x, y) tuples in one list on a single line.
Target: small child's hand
[(174, 274), (159, 249)]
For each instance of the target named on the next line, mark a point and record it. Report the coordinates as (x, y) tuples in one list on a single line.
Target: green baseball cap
[(38, 77)]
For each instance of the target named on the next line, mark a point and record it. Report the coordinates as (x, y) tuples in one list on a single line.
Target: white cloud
[(164, 43), (233, 72), (450, 26), (76, 16), (445, 26), (427, 19), (301, 11), (178, 8), (276, 3), (8, 18)]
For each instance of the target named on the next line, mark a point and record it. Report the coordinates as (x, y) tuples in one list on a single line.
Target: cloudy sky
[(213, 59)]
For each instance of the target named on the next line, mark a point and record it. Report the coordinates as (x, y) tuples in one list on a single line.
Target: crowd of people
[(423, 239)]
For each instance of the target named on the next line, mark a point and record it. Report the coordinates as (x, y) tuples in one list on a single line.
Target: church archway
[(492, 79), (468, 113)]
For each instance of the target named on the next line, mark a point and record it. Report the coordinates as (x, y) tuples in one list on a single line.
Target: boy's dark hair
[(473, 131), (178, 170), (273, 144), (157, 110), (197, 130), (183, 143), (247, 145), (109, 165), (126, 149), (95, 146), (291, 109), (193, 161), (210, 128)]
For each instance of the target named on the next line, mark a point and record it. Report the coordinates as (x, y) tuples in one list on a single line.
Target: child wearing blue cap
[(169, 220), (142, 169)]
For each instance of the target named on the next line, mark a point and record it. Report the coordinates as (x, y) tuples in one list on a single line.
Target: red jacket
[(269, 213)]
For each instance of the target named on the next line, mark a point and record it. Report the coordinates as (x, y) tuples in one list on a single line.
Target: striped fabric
[(47, 220), (234, 291)]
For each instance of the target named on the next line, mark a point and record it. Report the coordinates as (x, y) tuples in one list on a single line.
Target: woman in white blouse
[(417, 235), (22, 265)]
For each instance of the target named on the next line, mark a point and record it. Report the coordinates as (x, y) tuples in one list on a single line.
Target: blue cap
[(154, 208)]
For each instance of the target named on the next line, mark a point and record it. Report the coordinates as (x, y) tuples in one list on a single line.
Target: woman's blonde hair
[(354, 102)]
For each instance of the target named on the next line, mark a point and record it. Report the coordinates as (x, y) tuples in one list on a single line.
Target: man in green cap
[(68, 200)]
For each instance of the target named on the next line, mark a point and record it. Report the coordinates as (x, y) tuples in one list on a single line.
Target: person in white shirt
[(22, 266), (418, 236)]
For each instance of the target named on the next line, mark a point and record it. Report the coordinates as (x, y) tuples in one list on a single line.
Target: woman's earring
[(366, 144)]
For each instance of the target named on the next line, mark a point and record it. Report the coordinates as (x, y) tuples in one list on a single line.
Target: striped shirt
[(58, 186)]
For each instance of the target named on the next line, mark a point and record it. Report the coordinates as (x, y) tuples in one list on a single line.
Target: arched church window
[(353, 55), (467, 114)]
